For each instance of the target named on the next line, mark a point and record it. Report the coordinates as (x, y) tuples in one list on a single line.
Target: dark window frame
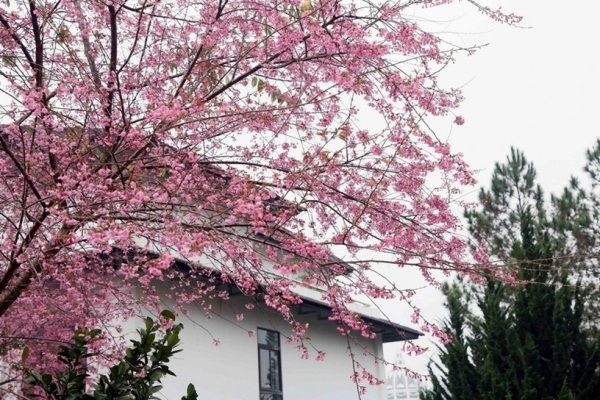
[(277, 394)]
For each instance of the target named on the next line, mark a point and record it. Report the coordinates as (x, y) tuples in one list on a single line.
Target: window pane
[(269, 365), (268, 338), (275, 373), (400, 381), (270, 396), (264, 369)]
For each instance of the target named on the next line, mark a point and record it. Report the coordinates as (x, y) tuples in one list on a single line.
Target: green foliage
[(576, 228), (530, 340), (137, 376)]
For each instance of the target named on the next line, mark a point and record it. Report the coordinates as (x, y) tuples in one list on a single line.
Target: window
[(269, 365)]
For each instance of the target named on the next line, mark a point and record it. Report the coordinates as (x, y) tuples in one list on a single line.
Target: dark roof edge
[(390, 331)]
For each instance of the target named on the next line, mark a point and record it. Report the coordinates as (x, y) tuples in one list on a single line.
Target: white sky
[(537, 89)]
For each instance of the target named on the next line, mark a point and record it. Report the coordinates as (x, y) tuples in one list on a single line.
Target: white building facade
[(225, 362)]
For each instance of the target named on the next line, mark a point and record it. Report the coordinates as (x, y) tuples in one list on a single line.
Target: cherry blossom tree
[(138, 134)]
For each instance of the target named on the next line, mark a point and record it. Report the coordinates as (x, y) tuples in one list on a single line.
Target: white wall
[(229, 371)]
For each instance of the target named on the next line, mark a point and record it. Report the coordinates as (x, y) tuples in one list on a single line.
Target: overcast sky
[(537, 89)]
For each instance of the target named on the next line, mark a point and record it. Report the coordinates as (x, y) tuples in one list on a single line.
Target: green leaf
[(156, 376), (46, 379), (191, 393), (167, 371), (173, 339), (155, 389), (168, 314), (151, 337), (25, 354), (123, 368), (35, 376), (268, 30), (254, 81)]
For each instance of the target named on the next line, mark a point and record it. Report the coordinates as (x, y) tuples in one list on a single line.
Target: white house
[(224, 362)]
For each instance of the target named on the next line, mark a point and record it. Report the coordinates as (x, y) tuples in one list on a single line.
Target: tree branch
[(22, 171), (17, 40), (189, 71)]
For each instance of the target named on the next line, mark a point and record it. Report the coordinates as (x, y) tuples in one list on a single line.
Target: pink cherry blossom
[(198, 143)]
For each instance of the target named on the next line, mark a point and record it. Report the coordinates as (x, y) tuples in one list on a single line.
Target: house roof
[(390, 331)]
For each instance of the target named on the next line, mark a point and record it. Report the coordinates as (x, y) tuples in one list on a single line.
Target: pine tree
[(455, 357), (526, 341), (576, 226)]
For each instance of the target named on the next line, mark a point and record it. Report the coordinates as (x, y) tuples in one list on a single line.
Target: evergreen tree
[(576, 227), (526, 341)]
